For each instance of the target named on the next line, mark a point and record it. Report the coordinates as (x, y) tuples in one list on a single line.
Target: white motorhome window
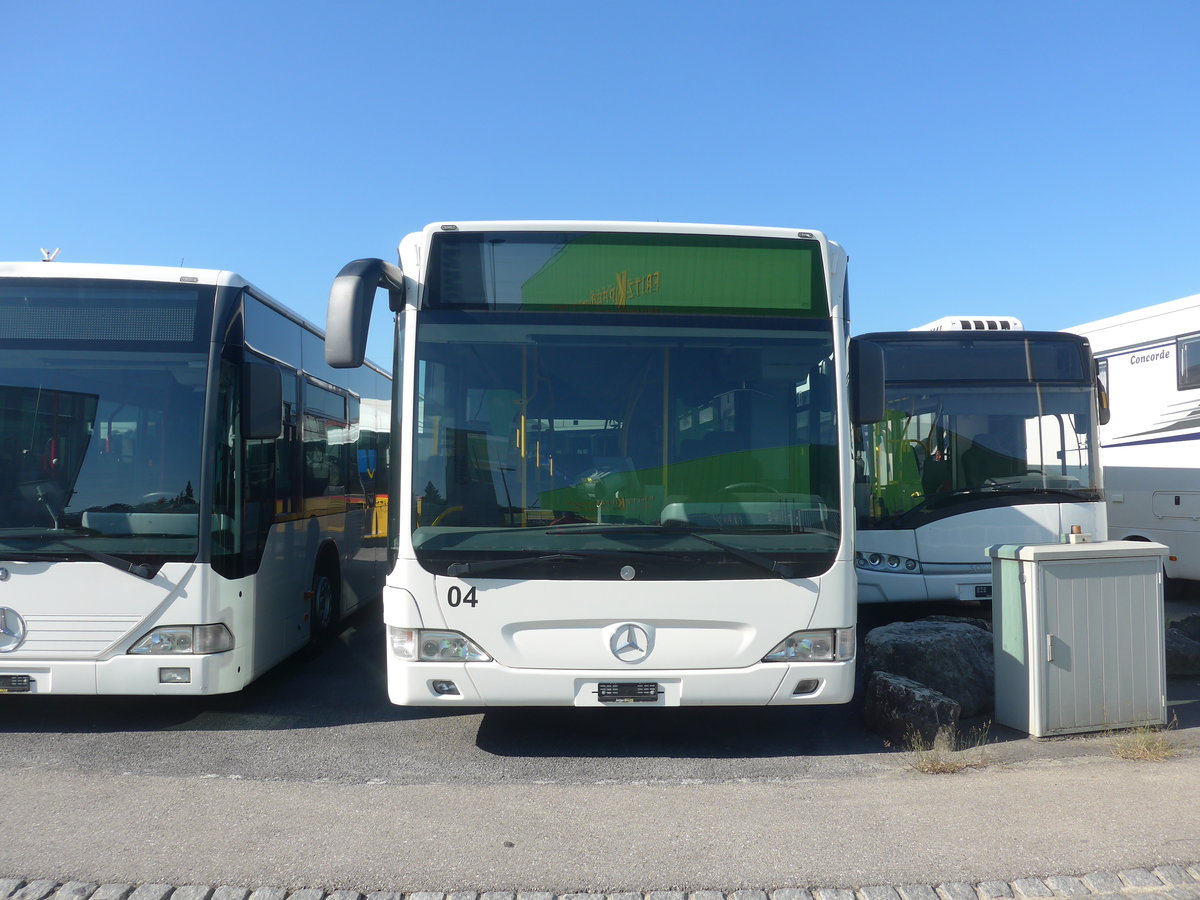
[(1188, 354)]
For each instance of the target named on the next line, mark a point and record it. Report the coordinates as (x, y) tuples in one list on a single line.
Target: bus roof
[(637, 227), (166, 274)]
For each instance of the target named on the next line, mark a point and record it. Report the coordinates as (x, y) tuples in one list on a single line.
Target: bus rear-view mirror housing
[(1104, 412), (866, 382), (350, 301)]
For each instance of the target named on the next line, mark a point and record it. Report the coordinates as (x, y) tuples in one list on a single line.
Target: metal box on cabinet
[(1078, 632)]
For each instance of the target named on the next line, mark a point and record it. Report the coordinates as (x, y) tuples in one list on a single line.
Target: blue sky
[(1036, 159)]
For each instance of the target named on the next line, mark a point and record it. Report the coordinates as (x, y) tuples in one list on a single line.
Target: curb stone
[(1033, 888), (1062, 884), (1165, 882)]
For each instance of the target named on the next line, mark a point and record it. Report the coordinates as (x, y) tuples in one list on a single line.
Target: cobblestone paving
[(1170, 882)]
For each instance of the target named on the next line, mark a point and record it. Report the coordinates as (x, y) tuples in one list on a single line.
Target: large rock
[(1189, 625), (953, 658), (1183, 653), (965, 620), (898, 709)]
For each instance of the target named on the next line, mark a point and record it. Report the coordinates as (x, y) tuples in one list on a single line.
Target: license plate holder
[(628, 691), (15, 684)]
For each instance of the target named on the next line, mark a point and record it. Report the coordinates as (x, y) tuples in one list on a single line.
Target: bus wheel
[(323, 610)]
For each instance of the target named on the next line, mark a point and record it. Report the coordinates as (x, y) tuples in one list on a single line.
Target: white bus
[(1150, 363), (625, 456), (185, 489), (988, 438)]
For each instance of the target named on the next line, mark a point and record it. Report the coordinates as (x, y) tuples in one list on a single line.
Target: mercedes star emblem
[(630, 643), (12, 630)]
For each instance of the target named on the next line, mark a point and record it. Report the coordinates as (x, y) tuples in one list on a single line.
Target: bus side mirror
[(262, 401), (866, 382), (1102, 400), (350, 301)]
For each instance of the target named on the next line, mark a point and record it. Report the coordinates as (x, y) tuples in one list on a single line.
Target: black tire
[(323, 612)]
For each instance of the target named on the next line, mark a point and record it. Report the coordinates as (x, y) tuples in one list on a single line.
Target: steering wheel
[(448, 511), (750, 486)]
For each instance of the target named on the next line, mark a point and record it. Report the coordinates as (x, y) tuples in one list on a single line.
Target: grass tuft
[(1149, 743), (949, 751)]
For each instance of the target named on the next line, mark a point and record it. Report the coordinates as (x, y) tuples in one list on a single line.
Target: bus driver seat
[(981, 461)]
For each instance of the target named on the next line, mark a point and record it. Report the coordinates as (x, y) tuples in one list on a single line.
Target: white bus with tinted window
[(989, 437), (1150, 363), (625, 471), (187, 490)]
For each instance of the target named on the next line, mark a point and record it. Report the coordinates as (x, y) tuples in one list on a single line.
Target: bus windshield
[(705, 447), (101, 409), (974, 424)]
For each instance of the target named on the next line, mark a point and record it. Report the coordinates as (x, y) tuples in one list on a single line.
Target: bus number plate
[(627, 691), (983, 592), (14, 684)]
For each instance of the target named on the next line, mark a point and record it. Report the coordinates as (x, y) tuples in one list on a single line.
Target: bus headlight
[(185, 639), (879, 562), (434, 646), (814, 646)]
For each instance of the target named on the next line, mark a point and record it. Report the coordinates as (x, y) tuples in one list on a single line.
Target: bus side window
[(287, 462), (226, 497), (326, 433)]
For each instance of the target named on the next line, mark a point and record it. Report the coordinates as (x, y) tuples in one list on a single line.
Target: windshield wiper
[(496, 565), (459, 569), (141, 570), (1082, 493), (758, 560), (56, 535), (41, 533), (766, 563)]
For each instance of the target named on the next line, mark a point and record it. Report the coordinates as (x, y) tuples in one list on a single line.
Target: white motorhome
[(1150, 363)]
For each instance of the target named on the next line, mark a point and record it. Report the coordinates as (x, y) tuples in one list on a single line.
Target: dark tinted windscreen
[(104, 312), (1013, 359)]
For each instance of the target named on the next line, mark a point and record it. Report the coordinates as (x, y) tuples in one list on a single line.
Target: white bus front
[(107, 501), (989, 438), (627, 448)]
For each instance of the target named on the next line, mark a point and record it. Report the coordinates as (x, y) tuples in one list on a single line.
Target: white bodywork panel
[(951, 551)]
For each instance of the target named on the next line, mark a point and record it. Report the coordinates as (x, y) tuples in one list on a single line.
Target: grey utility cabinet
[(1078, 632)]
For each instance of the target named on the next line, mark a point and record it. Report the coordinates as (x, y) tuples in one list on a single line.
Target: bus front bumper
[(891, 587), (492, 684), (185, 674)]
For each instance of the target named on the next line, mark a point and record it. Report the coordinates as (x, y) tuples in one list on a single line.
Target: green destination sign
[(629, 272), (673, 272)]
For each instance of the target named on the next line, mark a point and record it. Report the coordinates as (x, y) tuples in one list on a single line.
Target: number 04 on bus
[(626, 449)]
